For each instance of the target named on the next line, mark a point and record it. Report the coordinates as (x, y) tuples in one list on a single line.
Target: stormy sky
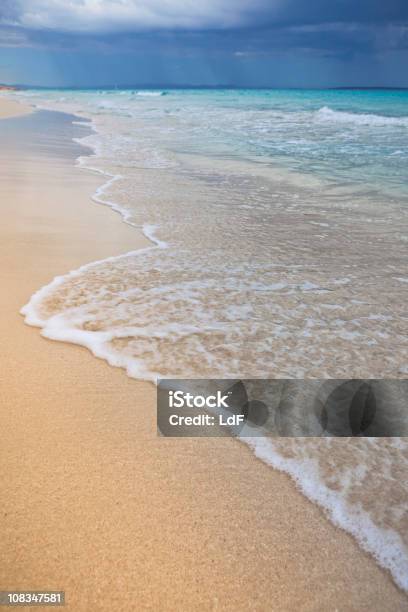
[(254, 43)]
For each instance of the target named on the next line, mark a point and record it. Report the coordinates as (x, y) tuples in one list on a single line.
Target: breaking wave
[(327, 114)]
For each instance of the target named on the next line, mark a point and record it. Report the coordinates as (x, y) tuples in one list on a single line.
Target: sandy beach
[(93, 502), (12, 108)]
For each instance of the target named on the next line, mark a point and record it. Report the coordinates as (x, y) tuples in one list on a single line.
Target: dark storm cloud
[(342, 11), (225, 37), (106, 16)]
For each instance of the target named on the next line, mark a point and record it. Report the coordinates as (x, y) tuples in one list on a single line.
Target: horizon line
[(202, 86)]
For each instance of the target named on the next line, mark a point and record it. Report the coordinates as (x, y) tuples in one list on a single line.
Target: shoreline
[(146, 236), (140, 520)]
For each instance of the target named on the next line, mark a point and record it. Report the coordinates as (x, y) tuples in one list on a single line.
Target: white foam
[(150, 93), (150, 233), (385, 545), (327, 114), (148, 230), (63, 328), (60, 327)]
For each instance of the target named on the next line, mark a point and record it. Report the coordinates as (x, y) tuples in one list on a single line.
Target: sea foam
[(327, 114)]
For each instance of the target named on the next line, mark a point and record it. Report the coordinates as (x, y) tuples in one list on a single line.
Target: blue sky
[(266, 43)]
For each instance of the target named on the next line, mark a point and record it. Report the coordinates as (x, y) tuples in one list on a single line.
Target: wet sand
[(93, 502)]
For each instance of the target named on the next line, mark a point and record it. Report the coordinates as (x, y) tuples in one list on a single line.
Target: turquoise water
[(356, 137)]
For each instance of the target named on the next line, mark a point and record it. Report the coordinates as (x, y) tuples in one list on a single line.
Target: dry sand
[(12, 108), (93, 502)]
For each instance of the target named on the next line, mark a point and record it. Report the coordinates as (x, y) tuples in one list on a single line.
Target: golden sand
[(93, 502)]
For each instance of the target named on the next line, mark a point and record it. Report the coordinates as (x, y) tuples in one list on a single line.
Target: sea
[(278, 222)]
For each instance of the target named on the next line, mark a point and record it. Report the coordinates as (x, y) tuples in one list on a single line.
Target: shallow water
[(279, 222)]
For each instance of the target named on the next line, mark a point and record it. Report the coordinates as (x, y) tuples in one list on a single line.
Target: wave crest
[(150, 93), (327, 114)]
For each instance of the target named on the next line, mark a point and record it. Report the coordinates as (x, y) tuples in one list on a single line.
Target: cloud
[(126, 15), (104, 16), (245, 30)]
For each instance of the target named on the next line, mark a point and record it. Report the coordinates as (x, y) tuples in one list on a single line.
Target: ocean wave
[(150, 93), (327, 114)]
